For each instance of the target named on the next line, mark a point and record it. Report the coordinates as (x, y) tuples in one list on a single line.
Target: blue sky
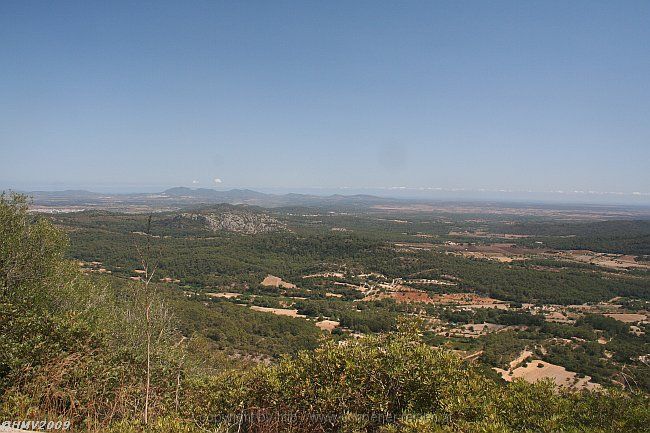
[(521, 95)]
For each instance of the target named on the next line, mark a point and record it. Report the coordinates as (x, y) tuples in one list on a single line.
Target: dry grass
[(628, 317), (605, 260), (278, 311)]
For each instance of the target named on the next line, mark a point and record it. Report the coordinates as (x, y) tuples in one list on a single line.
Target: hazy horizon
[(417, 194), (436, 98)]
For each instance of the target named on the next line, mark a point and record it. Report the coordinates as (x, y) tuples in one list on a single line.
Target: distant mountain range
[(247, 196), (182, 197)]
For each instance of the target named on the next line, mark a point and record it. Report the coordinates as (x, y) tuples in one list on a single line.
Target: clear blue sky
[(522, 95)]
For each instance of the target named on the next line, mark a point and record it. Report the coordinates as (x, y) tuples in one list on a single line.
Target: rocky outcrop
[(238, 222)]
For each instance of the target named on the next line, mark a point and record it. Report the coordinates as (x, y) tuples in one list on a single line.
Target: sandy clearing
[(636, 330), (278, 311), (273, 281), (537, 370), (327, 325), (170, 280), (521, 358), (227, 295)]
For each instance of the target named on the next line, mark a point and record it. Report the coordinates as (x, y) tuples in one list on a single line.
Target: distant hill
[(229, 196), (179, 197), (247, 196), (182, 197)]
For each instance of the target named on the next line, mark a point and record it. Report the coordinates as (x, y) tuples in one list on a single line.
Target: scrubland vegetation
[(100, 349)]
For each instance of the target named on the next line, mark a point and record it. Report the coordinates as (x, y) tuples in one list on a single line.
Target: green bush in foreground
[(395, 383), (71, 349)]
